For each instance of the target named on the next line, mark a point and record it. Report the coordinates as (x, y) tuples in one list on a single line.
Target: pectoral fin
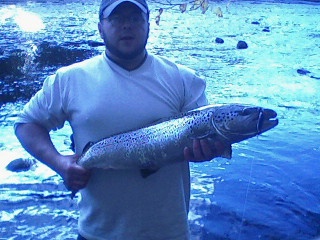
[(227, 152), (147, 172)]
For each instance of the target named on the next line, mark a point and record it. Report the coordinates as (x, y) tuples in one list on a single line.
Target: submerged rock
[(21, 165), (318, 78), (303, 71), (306, 72), (255, 22), (266, 29)]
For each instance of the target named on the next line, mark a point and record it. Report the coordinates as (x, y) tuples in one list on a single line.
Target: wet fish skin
[(161, 144)]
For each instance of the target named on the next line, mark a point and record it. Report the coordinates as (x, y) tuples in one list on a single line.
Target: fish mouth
[(238, 122), (267, 119)]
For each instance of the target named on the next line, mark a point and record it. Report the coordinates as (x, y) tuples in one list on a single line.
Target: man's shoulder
[(157, 59), (170, 63), (86, 64)]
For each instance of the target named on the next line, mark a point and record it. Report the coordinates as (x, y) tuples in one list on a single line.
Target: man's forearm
[(36, 140)]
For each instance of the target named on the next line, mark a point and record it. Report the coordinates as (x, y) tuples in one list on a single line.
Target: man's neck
[(130, 64)]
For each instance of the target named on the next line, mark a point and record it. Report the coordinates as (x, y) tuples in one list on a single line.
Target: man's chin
[(130, 55), (126, 53)]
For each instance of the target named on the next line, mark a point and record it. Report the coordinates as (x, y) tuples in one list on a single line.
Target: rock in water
[(20, 165), (242, 45), (219, 40)]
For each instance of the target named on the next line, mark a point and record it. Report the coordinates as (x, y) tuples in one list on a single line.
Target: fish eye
[(248, 111)]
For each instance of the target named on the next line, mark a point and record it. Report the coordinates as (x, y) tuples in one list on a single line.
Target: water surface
[(268, 190)]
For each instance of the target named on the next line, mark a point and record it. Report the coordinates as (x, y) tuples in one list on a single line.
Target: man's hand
[(36, 140), (202, 151), (75, 177)]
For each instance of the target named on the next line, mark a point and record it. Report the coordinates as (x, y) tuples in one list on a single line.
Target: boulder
[(219, 40), (242, 45), (20, 165)]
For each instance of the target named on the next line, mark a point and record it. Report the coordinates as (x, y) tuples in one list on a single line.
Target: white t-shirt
[(101, 99)]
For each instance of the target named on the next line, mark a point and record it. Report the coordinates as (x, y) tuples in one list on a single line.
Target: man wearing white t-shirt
[(124, 88)]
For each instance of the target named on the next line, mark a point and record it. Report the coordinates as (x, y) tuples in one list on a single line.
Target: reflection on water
[(28, 21), (268, 190), (37, 37)]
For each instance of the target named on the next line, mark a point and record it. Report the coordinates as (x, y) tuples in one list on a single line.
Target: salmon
[(155, 146)]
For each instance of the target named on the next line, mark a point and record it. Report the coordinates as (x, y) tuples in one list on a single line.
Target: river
[(268, 190)]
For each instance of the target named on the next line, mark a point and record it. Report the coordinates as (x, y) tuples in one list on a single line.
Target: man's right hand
[(36, 140), (74, 176)]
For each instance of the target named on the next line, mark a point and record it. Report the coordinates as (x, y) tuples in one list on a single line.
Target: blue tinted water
[(269, 189)]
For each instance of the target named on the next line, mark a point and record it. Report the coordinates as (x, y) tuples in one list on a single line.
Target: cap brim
[(108, 10)]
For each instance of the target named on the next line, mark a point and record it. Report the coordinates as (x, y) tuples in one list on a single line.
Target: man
[(123, 89)]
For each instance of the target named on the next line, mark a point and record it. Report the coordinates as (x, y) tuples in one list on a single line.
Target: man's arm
[(36, 140)]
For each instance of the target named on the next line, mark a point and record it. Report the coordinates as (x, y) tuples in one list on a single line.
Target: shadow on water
[(33, 43), (20, 79)]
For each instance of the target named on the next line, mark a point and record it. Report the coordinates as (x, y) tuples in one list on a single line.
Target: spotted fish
[(152, 147)]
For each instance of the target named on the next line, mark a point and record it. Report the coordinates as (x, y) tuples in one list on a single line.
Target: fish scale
[(161, 144)]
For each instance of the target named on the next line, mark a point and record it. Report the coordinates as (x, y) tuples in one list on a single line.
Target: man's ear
[(100, 29), (148, 30)]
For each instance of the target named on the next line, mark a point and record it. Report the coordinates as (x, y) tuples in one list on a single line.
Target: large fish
[(152, 147)]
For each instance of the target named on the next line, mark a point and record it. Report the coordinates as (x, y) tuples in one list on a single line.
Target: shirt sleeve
[(46, 106), (194, 90)]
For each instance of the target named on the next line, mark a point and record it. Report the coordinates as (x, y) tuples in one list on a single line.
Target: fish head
[(238, 122)]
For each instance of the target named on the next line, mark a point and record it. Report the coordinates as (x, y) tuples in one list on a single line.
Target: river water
[(268, 190)]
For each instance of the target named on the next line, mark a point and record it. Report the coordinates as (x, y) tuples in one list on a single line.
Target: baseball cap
[(107, 6)]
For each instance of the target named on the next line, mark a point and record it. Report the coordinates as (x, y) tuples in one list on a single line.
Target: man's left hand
[(202, 151)]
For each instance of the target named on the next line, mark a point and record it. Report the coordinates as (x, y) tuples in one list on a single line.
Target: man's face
[(125, 31)]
